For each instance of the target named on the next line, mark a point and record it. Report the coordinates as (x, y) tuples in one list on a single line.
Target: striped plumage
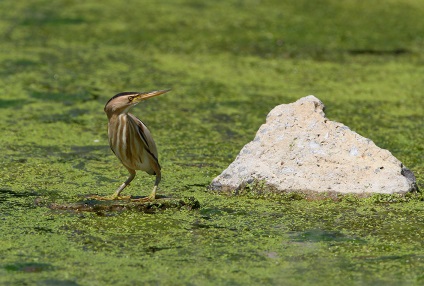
[(130, 139)]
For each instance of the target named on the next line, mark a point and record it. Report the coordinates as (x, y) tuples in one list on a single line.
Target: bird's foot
[(109, 198), (143, 199), (150, 198)]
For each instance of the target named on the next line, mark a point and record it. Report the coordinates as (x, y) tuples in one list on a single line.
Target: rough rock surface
[(299, 149)]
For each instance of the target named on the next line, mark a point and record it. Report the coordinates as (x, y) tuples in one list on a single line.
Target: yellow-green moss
[(228, 63)]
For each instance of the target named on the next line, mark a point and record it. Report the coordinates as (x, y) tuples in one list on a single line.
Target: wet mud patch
[(102, 207), (11, 200), (28, 267), (54, 282), (318, 235), (7, 194)]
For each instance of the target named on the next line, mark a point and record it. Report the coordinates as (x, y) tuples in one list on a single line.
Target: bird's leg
[(116, 195), (121, 187), (152, 195)]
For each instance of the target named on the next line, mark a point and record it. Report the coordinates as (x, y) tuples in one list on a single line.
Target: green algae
[(62, 61)]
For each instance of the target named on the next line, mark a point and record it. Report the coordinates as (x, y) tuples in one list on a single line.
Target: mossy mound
[(162, 203)]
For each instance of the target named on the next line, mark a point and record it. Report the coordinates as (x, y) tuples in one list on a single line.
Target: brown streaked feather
[(146, 137), (129, 143)]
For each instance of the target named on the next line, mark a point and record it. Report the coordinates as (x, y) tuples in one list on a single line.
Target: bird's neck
[(112, 115), (117, 122), (112, 111)]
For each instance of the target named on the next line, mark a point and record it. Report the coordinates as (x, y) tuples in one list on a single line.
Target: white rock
[(299, 149)]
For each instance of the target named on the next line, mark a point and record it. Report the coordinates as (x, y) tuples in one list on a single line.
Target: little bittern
[(130, 139)]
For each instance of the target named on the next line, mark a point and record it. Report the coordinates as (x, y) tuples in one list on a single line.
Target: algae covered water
[(228, 241), (228, 64)]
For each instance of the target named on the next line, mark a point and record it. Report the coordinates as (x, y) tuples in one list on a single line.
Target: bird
[(131, 141)]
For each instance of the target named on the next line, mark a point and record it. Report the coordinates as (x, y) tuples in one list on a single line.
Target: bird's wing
[(146, 137)]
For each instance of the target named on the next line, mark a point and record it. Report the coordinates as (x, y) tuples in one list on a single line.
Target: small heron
[(130, 139)]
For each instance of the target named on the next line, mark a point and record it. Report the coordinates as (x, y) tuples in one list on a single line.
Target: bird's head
[(122, 102)]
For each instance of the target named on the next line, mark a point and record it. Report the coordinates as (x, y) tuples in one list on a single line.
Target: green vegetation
[(228, 63)]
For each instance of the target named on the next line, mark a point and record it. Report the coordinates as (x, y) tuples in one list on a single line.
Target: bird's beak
[(147, 95)]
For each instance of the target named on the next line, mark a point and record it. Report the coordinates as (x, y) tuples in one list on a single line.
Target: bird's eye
[(130, 98)]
